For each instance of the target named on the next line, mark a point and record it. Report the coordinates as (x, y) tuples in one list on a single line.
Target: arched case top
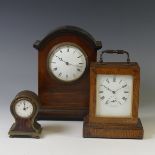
[(25, 126), (68, 30)]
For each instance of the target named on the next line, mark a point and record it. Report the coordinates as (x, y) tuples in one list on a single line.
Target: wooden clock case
[(61, 100), (26, 127), (114, 127)]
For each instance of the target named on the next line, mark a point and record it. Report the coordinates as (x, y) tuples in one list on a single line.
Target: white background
[(65, 138)]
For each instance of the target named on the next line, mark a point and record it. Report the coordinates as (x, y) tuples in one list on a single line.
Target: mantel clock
[(63, 78), (24, 109), (114, 99)]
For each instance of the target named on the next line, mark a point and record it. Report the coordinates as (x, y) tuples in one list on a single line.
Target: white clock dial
[(24, 108), (114, 95), (67, 62)]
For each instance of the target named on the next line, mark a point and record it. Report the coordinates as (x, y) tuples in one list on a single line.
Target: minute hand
[(74, 65), (60, 59), (107, 88), (120, 88)]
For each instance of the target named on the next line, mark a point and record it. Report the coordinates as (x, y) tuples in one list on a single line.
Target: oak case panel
[(118, 69), (109, 126)]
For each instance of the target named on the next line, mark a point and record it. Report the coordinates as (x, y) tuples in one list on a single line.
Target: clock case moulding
[(113, 127), (64, 100)]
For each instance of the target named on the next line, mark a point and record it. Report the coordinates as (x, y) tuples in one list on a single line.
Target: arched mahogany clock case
[(64, 100)]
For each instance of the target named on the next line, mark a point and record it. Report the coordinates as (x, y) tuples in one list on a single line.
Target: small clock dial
[(24, 108), (67, 62), (114, 95)]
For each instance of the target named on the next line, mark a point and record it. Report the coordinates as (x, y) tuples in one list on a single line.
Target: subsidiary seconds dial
[(67, 62)]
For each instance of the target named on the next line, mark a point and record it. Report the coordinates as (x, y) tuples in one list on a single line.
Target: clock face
[(24, 108), (67, 62), (114, 95)]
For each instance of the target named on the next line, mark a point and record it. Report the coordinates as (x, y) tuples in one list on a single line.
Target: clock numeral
[(66, 76), (107, 102), (100, 92), (124, 86), (113, 101), (67, 49), (107, 80), (80, 63), (79, 56), (61, 51), (126, 92), (114, 79), (55, 69), (102, 98), (120, 81), (124, 98), (78, 70), (60, 74)]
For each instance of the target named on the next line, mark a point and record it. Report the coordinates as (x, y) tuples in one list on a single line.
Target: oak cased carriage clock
[(63, 76), (114, 100)]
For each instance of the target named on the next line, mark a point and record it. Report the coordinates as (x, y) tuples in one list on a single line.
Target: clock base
[(119, 131), (58, 114), (35, 133)]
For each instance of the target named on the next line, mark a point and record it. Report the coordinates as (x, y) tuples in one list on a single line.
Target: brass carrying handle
[(114, 52)]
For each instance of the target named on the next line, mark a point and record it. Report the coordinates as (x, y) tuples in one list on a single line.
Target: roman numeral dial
[(113, 90), (67, 62), (114, 95)]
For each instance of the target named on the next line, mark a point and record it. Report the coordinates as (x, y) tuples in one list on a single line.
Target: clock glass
[(114, 95), (24, 108), (67, 62)]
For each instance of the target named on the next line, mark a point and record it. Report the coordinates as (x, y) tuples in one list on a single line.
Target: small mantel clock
[(114, 100), (63, 78), (24, 109)]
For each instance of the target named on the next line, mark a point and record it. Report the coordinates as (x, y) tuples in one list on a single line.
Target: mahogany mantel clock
[(114, 100), (64, 58)]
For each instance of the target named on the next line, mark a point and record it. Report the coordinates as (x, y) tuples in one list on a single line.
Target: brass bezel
[(14, 102), (52, 52)]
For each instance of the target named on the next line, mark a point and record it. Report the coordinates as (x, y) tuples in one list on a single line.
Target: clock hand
[(109, 89), (67, 63), (60, 59), (120, 88), (74, 65), (119, 102), (24, 106)]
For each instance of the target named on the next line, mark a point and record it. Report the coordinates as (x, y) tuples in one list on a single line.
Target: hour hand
[(107, 88)]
